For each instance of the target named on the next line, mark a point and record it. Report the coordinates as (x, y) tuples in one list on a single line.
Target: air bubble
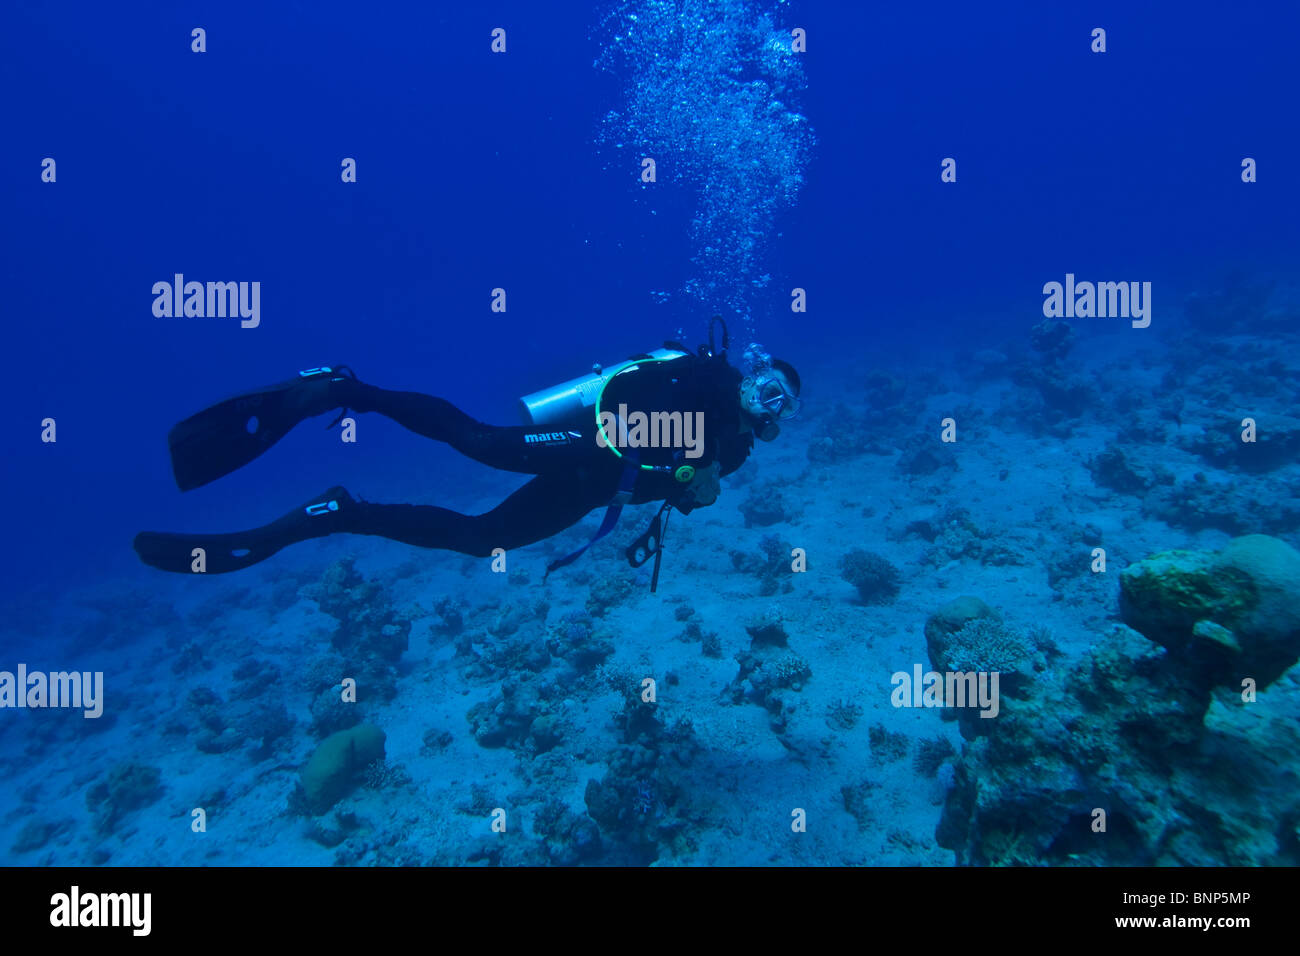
[(714, 85)]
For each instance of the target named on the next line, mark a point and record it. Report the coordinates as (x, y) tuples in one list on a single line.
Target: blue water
[(776, 170)]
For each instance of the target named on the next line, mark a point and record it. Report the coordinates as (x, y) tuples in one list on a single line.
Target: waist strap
[(626, 484)]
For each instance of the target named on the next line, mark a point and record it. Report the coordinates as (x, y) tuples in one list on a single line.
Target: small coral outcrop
[(874, 576), (1229, 615), (337, 764), (127, 787)]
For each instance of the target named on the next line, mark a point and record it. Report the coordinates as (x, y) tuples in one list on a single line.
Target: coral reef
[(858, 802), (986, 645), (640, 803), (35, 834), (451, 616), (215, 735), (931, 754), (923, 455), (331, 830), (380, 774), (1248, 591), (125, 788), (576, 640), (337, 765), (224, 726), (1063, 396), (506, 718), (1052, 339), (435, 741), (966, 635), (887, 745), (955, 537), (371, 635), (769, 672), (1113, 469), (766, 504), (875, 578), (771, 567), (1219, 443), (253, 677), (1236, 507), (609, 591), (948, 620), (1134, 730), (331, 713), (190, 659), (842, 714), (874, 423), (267, 723), (569, 838)]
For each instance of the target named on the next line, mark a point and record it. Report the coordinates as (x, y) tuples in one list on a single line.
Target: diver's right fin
[(327, 513), (230, 434)]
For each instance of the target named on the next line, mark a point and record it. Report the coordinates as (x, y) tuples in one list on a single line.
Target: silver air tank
[(574, 401)]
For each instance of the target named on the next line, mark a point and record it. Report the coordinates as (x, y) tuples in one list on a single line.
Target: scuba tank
[(574, 401)]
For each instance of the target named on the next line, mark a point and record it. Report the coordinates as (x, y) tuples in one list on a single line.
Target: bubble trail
[(711, 91)]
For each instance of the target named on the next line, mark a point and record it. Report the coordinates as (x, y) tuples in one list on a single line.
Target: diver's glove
[(703, 489)]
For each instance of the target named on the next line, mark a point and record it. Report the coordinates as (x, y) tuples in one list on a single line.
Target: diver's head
[(769, 394)]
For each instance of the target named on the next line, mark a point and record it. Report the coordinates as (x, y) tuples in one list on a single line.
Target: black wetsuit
[(574, 474)]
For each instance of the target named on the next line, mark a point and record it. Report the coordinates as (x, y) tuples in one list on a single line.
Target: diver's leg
[(221, 553), (230, 434), (527, 449), (543, 507)]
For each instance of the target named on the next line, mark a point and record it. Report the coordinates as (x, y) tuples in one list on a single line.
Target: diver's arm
[(702, 491)]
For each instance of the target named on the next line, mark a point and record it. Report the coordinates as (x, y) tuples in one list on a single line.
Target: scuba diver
[(577, 444)]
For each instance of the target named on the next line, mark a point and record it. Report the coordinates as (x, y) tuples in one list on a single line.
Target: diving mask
[(776, 398)]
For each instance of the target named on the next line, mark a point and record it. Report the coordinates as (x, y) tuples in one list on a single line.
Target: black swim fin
[(325, 514), (230, 434)]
